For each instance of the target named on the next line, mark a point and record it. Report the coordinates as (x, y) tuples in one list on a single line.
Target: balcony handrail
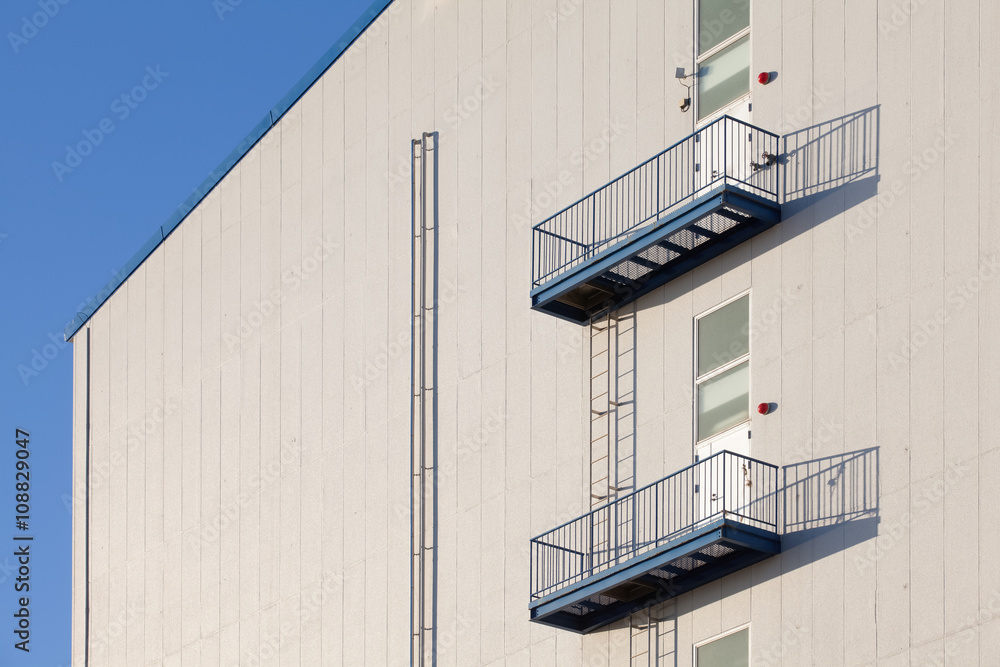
[(548, 262), (643, 164), (584, 553), (652, 484)]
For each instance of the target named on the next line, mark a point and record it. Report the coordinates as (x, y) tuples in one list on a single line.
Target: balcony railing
[(728, 151), (724, 486)]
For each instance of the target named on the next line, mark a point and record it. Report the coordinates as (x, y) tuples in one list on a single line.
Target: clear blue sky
[(222, 65)]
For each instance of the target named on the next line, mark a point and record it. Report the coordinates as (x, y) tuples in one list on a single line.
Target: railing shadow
[(820, 507), (826, 169), (823, 495), (827, 505), (824, 157)]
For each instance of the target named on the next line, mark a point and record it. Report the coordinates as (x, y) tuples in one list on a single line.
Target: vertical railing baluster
[(590, 547), (725, 150), (532, 584), (725, 486), (635, 520), (656, 512), (658, 209), (593, 225)]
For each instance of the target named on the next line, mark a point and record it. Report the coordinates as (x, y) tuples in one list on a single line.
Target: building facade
[(419, 377)]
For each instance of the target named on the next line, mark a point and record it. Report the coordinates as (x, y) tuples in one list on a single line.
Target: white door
[(722, 482), (722, 406), (725, 149)]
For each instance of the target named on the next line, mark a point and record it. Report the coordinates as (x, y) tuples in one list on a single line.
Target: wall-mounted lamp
[(685, 103), (764, 78), (766, 160), (764, 408)]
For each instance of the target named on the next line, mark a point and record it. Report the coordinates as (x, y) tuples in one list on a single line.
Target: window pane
[(724, 77), (724, 335), (724, 401), (729, 651), (719, 20)]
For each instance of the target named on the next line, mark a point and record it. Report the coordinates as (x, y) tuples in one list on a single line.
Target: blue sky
[(208, 72)]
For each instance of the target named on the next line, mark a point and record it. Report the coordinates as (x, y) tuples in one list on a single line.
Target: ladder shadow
[(652, 634), (613, 346)]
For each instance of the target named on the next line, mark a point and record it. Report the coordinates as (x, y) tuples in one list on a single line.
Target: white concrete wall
[(249, 406)]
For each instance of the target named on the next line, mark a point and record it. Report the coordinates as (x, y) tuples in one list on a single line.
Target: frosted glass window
[(724, 401), (718, 20), (729, 651), (724, 77), (724, 335)]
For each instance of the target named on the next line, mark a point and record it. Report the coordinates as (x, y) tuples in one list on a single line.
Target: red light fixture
[(763, 78), (764, 408)]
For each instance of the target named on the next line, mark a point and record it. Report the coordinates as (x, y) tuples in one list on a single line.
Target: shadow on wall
[(828, 504), (652, 635), (835, 497), (827, 169), (837, 155)]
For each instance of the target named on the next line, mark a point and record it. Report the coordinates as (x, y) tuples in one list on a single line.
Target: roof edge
[(215, 177)]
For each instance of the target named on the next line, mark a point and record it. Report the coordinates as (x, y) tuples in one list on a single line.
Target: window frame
[(723, 635), (697, 380), (715, 50)]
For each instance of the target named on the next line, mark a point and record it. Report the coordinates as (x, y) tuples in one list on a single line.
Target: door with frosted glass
[(722, 59), (722, 405), (722, 86)]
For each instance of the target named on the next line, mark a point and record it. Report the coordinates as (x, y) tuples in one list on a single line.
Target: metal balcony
[(697, 525), (702, 196)]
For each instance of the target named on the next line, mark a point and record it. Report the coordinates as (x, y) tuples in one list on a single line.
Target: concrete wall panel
[(250, 382)]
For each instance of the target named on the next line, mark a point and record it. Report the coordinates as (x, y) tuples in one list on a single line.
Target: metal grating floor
[(653, 255), (630, 270), (687, 563)]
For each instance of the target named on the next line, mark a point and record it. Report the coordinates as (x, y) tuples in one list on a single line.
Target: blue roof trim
[(298, 90)]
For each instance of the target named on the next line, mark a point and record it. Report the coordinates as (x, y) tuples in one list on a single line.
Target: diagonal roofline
[(215, 177)]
